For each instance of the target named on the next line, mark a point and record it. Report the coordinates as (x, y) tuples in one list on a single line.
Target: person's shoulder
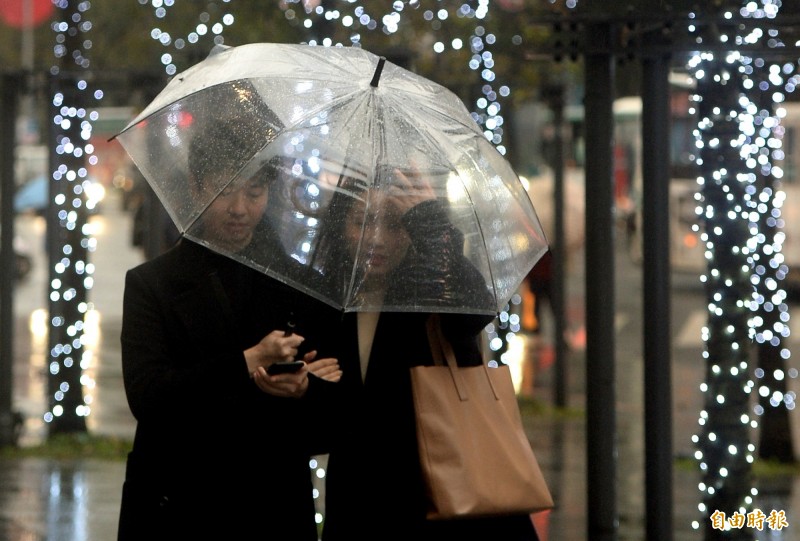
[(175, 260)]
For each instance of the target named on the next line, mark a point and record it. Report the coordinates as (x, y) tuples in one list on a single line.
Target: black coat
[(374, 485), (213, 456)]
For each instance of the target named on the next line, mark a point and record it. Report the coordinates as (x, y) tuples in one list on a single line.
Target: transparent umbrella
[(384, 194)]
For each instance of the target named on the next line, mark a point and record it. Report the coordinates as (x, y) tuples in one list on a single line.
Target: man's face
[(231, 218)]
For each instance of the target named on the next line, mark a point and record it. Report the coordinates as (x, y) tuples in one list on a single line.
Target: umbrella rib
[(422, 104), (482, 239), (327, 105), (339, 181)]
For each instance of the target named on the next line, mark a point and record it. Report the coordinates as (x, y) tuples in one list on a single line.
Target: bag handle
[(442, 351)]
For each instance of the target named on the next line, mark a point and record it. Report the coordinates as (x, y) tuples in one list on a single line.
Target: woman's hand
[(292, 385), (409, 190), (327, 369)]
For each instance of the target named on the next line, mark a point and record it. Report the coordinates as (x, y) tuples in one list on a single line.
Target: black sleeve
[(437, 267), (163, 372)]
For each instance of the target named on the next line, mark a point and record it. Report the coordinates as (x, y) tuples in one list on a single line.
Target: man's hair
[(235, 125)]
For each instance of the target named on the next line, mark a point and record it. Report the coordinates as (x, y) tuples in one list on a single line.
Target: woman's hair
[(331, 246)]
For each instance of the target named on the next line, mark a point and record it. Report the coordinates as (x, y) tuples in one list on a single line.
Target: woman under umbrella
[(374, 484)]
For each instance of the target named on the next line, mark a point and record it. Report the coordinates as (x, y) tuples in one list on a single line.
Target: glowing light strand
[(725, 205), (764, 155), (71, 274), (207, 26), (312, 14)]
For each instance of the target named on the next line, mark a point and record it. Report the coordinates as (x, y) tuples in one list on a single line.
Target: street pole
[(657, 307), (555, 97), (9, 91), (601, 426)]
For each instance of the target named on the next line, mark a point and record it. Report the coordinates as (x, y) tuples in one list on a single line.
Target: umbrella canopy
[(336, 134)]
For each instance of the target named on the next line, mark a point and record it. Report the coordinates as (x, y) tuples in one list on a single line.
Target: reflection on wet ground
[(59, 500), (78, 499)]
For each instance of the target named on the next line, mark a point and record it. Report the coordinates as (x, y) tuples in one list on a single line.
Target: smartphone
[(284, 367)]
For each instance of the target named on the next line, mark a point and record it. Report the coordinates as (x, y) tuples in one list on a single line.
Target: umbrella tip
[(377, 75)]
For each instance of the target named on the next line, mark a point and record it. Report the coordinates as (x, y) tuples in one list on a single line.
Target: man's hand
[(275, 347)]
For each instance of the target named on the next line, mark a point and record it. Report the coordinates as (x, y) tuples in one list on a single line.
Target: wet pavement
[(77, 499)]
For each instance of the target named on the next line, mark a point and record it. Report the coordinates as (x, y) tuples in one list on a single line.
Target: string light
[(764, 155), (208, 26), (739, 203), (71, 241)]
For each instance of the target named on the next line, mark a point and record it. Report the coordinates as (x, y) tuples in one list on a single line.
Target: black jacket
[(213, 455), (374, 485)]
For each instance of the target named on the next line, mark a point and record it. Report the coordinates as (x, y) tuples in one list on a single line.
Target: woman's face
[(232, 217), (385, 240)]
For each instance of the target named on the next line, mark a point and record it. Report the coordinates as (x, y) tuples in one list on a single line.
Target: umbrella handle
[(378, 70), (290, 325)]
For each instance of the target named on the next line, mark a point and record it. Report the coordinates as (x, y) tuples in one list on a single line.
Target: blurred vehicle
[(687, 250), (33, 195)]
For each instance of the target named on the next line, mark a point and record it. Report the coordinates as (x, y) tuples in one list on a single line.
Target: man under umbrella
[(221, 449)]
